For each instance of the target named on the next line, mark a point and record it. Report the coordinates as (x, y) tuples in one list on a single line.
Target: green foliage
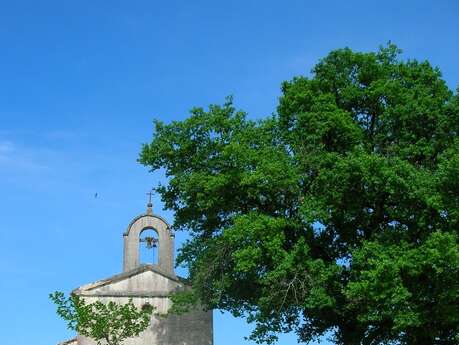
[(412, 286), (337, 215), (107, 323)]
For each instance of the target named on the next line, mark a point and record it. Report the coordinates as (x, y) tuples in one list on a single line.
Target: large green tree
[(336, 216)]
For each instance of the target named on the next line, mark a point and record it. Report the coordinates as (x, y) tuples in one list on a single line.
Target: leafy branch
[(107, 323)]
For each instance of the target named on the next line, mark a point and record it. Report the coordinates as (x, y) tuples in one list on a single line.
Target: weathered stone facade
[(148, 283)]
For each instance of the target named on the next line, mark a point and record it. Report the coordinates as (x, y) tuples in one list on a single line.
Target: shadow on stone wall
[(194, 328)]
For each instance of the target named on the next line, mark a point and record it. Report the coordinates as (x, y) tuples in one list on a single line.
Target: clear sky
[(81, 82)]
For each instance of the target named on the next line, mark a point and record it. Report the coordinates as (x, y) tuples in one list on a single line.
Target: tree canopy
[(338, 215)]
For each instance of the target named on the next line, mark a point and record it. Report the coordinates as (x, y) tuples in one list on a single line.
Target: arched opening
[(148, 246)]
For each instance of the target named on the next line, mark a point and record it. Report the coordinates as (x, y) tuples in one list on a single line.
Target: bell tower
[(164, 243), (151, 284)]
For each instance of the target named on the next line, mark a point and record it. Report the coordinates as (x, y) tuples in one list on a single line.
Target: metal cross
[(150, 193)]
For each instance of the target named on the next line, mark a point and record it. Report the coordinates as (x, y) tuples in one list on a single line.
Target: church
[(150, 283)]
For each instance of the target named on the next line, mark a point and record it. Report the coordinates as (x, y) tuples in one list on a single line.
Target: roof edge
[(67, 342), (124, 275)]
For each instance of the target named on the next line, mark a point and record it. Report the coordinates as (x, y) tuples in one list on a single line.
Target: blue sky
[(81, 82)]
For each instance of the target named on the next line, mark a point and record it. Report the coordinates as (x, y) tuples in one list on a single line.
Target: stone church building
[(150, 283)]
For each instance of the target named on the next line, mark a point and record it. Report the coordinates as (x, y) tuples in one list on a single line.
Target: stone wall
[(193, 328), (150, 286)]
